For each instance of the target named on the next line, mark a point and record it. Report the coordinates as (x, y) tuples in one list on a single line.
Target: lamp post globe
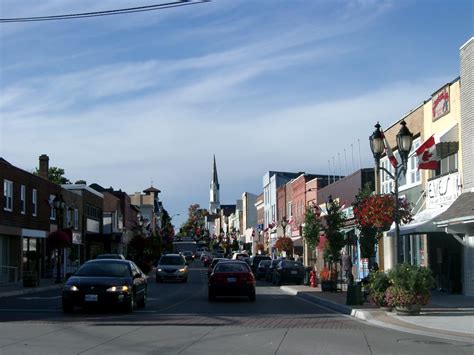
[(404, 142), (376, 143)]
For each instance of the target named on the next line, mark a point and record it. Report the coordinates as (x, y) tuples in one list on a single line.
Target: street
[(178, 319)]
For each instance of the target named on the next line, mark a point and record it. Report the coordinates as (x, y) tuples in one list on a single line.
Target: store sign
[(76, 238), (93, 226), (440, 103), (443, 191)]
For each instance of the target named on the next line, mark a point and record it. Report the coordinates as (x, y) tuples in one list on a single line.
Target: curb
[(368, 317), (26, 291)]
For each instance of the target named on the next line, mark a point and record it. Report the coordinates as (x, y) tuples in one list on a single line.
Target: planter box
[(410, 310), (328, 286)]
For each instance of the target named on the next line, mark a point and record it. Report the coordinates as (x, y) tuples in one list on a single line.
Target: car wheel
[(252, 296), (185, 280), (67, 307), (142, 302), (130, 306), (158, 281)]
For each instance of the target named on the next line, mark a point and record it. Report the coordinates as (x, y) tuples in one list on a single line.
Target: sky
[(148, 98)]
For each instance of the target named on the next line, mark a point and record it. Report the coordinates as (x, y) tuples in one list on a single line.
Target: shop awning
[(459, 217), (423, 222)]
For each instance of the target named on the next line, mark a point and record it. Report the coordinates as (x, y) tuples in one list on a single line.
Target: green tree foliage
[(335, 238), (312, 227), (195, 223), (55, 175)]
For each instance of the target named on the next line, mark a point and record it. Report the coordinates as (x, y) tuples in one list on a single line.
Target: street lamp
[(283, 225), (59, 205), (404, 142)]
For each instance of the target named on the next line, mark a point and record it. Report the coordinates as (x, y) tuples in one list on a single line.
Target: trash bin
[(354, 295), (307, 270)]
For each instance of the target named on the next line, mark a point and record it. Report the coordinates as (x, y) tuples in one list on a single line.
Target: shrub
[(325, 274), (378, 284), (412, 278), (411, 285)]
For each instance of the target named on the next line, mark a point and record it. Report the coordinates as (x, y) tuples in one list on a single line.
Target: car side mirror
[(137, 275)]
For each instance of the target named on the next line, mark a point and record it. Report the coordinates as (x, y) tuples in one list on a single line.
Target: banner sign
[(443, 191), (440, 103)]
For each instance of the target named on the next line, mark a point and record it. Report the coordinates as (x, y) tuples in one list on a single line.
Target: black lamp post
[(59, 205), (283, 225), (404, 143)]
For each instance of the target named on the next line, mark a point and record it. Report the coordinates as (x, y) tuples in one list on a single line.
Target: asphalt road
[(178, 319)]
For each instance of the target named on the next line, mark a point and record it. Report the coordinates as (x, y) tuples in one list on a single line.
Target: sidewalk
[(446, 316), (12, 289)]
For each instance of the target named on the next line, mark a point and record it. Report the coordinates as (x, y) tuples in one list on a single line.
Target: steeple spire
[(215, 179), (214, 203)]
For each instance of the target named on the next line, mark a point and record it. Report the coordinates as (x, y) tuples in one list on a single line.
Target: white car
[(199, 251)]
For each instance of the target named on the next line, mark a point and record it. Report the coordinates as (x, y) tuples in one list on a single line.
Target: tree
[(284, 244), (369, 235), (55, 175), (195, 224), (312, 227), (335, 238)]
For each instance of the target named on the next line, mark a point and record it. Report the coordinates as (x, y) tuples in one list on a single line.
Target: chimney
[(44, 166)]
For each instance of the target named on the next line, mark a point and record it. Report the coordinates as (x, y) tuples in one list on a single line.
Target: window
[(68, 218), (290, 210), (22, 199), (52, 211), (34, 199), (76, 219), (7, 195), (413, 173)]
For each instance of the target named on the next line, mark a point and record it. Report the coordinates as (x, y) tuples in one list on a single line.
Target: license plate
[(294, 272), (91, 298), (231, 279)]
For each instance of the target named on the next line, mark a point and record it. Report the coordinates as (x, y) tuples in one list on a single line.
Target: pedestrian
[(347, 267)]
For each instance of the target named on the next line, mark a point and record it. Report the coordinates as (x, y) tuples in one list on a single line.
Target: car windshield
[(104, 269), (231, 267), (171, 260)]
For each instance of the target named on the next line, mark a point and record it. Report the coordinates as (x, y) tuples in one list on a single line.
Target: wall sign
[(440, 103), (443, 191)]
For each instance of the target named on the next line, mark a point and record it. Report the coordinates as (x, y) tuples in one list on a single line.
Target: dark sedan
[(262, 269), (106, 282), (288, 271), (232, 278)]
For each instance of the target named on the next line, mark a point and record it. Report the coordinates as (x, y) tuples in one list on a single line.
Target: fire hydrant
[(313, 281)]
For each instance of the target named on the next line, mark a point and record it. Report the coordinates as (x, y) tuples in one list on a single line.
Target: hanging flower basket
[(59, 239)]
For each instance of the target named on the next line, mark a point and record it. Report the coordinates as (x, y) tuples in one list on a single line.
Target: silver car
[(172, 267)]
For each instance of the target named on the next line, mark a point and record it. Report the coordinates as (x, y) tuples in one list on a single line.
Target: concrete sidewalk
[(446, 316), (17, 289)]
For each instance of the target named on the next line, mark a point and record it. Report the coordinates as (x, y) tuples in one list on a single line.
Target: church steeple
[(214, 203)]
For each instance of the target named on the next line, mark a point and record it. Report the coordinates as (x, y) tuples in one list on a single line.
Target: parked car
[(288, 271), (110, 256), (213, 264), (262, 269), (231, 278), (172, 267), (271, 268), (255, 261), (106, 282)]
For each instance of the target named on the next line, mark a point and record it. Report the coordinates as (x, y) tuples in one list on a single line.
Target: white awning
[(422, 223)]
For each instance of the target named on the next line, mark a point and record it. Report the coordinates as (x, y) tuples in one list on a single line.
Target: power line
[(129, 10)]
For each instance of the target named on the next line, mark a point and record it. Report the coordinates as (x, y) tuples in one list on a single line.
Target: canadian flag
[(389, 152), (426, 153)]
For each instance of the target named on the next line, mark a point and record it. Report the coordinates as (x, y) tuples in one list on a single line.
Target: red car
[(232, 278)]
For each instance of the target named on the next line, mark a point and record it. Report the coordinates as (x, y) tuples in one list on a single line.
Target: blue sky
[(265, 85)]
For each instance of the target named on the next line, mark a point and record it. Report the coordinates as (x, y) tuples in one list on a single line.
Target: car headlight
[(182, 270), (118, 289), (160, 270), (71, 288)]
